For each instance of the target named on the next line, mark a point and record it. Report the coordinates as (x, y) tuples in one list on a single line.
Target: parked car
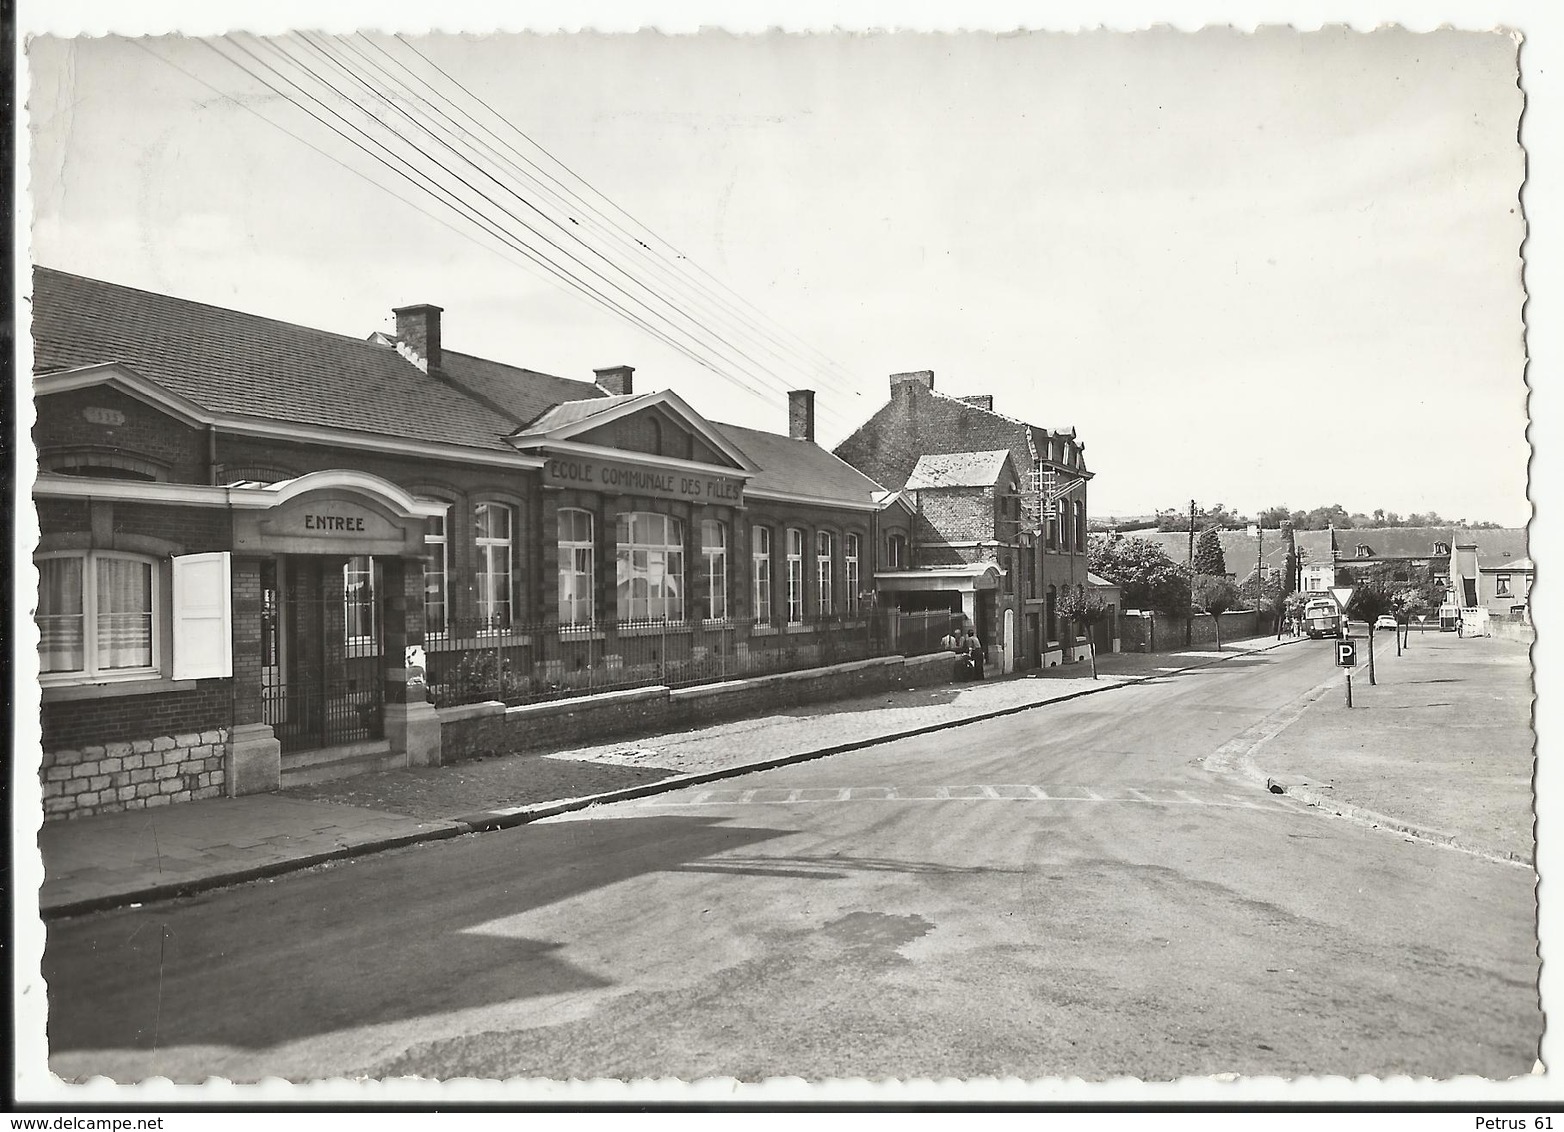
[(1384, 622)]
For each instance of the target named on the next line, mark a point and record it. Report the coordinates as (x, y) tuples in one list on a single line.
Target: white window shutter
[(203, 616)]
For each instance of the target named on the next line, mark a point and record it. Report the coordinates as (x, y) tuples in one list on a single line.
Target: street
[(1085, 889)]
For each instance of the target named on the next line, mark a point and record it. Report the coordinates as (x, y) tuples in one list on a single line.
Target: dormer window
[(1364, 550), (1441, 548)]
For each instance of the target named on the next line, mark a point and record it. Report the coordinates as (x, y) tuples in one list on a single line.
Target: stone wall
[(134, 774), (1137, 634), (476, 730)]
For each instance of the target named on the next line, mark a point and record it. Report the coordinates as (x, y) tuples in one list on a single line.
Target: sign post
[(1342, 595), (1347, 657)]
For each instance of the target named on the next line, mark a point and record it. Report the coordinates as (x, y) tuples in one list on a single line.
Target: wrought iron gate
[(323, 678)]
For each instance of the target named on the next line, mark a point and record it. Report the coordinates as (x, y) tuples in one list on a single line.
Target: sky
[(1279, 268)]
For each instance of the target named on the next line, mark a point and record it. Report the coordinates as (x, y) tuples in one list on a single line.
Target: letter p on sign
[(1346, 653)]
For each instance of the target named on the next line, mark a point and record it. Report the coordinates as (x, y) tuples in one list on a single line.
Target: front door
[(323, 680)]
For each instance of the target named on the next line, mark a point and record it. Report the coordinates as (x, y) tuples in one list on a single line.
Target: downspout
[(211, 454)]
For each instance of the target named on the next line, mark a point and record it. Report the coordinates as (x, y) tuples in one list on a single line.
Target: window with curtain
[(650, 565), (850, 567), (760, 573), (576, 566), (97, 615), (437, 567), (824, 574), (714, 555), (494, 527), (795, 576)]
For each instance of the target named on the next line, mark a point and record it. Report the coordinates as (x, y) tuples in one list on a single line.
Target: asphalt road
[(1072, 891)]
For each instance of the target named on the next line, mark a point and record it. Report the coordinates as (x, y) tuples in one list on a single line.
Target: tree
[(1216, 595), (1371, 600), (1404, 606), (1141, 569), (1208, 554), (1086, 610)]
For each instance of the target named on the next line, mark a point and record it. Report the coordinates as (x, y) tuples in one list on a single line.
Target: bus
[(1321, 618)]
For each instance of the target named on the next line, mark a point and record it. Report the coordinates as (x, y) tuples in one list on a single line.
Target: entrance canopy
[(331, 512), (966, 577)]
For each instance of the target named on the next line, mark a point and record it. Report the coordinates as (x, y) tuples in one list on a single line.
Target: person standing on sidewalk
[(974, 648)]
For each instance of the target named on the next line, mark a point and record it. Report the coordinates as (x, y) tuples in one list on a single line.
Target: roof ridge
[(164, 295)]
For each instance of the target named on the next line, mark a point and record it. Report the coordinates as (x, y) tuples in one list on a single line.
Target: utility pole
[(1189, 620), (1259, 577)]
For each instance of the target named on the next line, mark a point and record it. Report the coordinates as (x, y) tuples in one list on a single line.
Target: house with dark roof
[(1491, 569), (272, 554), (1001, 525)]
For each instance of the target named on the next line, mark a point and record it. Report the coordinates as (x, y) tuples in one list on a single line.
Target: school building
[(270, 553)]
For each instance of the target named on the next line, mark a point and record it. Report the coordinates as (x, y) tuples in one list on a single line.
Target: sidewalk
[(113, 860), (1441, 746)]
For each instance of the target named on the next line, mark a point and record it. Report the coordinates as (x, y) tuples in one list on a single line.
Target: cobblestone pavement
[(1443, 741), (528, 779)]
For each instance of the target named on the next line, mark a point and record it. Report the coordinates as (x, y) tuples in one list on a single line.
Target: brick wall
[(916, 422), (71, 723), (481, 730), (142, 431), (132, 775)]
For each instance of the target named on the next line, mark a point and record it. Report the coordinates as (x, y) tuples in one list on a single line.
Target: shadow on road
[(377, 940)]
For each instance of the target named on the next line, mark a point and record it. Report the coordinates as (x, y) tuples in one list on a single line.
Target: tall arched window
[(896, 552), (795, 576), (760, 573), (851, 551), (714, 568), (494, 526), (1080, 524), (824, 573), (577, 566), (650, 565), (437, 567)]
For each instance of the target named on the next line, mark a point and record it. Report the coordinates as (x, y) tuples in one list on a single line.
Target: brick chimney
[(418, 331), (923, 377), (615, 380), (801, 414), (980, 401)]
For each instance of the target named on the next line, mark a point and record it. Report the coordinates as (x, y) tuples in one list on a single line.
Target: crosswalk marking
[(977, 792)]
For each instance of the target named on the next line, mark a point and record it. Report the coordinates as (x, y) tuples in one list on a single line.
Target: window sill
[(762, 629), (106, 689), (655, 629)]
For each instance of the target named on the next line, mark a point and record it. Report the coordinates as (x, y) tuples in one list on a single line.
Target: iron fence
[(473, 662)]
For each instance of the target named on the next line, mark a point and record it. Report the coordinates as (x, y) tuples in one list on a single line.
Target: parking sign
[(1346, 653)]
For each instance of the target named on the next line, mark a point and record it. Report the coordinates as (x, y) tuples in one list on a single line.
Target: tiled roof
[(573, 412), (521, 394), (242, 364), (798, 467), (1392, 542), (1501, 546), (1315, 548), (956, 469)]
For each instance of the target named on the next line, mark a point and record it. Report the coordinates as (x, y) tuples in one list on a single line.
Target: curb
[(485, 821), (196, 885), (1378, 820)]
